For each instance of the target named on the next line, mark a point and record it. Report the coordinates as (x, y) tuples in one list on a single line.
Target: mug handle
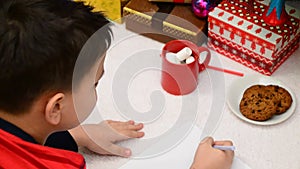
[(205, 63)]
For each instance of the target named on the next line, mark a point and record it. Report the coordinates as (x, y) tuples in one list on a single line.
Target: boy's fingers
[(140, 134), (119, 151), (109, 121), (208, 140), (224, 143), (133, 134), (135, 127), (128, 134), (131, 122), (120, 124), (117, 125), (112, 121), (127, 126)]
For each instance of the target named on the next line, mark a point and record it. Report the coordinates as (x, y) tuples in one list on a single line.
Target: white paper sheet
[(180, 157)]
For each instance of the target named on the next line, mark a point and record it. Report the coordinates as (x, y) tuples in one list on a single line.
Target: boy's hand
[(101, 138), (207, 157)]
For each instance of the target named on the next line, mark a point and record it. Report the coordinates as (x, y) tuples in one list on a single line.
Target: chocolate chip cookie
[(257, 103), (261, 102), (284, 99)]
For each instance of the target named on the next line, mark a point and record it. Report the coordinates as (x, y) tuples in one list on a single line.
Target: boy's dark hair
[(40, 41)]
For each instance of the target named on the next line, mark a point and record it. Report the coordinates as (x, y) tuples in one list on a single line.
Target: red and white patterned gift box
[(238, 31)]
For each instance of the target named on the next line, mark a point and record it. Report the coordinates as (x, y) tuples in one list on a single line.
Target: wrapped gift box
[(111, 8), (238, 31), (164, 21)]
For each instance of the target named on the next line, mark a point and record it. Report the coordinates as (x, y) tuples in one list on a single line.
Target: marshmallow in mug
[(191, 59), (182, 57), (184, 53)]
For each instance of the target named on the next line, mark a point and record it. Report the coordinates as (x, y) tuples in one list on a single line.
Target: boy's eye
[(102, 73), (96, 84)]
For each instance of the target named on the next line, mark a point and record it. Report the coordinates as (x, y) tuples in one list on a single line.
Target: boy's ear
[(53, 111)]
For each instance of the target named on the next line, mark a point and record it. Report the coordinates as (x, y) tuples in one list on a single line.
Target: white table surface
[(260, 147)]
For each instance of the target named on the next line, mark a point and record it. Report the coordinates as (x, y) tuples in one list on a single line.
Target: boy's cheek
[(84, 104)]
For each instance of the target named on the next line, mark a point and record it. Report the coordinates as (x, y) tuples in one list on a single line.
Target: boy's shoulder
[(17, 153)]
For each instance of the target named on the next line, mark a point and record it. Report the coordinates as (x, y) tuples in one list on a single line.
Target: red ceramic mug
[(180, 79)]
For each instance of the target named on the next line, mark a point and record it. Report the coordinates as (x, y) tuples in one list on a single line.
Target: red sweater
[(19, 154)]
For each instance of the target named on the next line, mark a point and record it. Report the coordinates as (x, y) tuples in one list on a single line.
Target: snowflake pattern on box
[(264, 66)]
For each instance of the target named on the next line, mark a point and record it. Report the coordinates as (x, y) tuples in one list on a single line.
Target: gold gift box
[(111, 8)]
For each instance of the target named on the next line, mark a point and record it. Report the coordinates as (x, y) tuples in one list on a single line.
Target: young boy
[(40, 41)]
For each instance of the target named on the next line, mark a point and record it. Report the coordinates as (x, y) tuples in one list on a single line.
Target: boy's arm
[(207, 157), (101, 138)]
